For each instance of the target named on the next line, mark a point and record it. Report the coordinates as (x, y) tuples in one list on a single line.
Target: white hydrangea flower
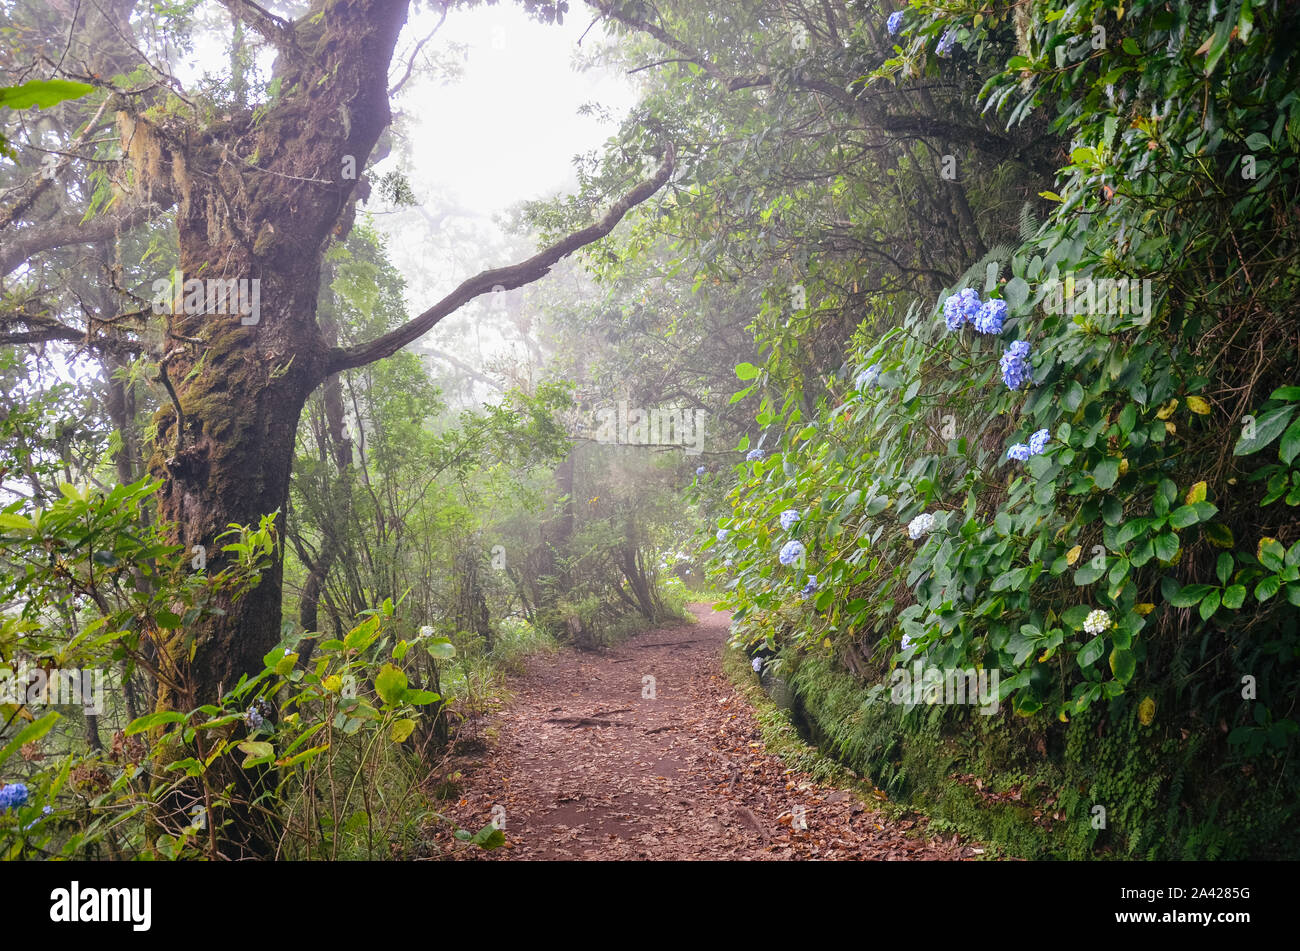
[(922, 525), (1096, 622)]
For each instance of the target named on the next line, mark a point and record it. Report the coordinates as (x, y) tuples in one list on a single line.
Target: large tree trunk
[(241, 387)]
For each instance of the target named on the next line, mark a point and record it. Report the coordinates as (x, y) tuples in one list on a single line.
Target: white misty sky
[(507, 131)]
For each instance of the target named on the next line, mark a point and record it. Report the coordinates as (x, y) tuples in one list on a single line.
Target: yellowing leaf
[(1198, 406), (1259, 549), (1147, 711), (333, 683), (1144, 608), (1123, 467), (1072, 555), (1196, 493), (401, 729), (827, 642), (1167, 410), (1219, 534), (1170, 428)]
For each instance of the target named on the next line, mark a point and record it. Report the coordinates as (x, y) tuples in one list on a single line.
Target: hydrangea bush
[(1152, 518)]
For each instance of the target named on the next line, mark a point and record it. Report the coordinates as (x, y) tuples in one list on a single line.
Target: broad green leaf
[(29, 734), (1266, 428), (151, 720), (42, 93), (390, 684)]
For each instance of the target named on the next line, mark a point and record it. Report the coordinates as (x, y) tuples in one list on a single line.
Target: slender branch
[(515, 275), (275, 30), (410, 63)]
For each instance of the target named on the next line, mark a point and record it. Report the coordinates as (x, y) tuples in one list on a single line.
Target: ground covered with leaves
[(592, 760)]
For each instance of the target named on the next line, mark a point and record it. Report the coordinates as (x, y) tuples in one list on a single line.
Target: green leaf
[(1190, 594), (1290, 443), (1267, 588), (42, 93), (1091, 652), (440, 648), (1234, 597), (1122, 665), (1272, 554), (16, 522), (1267, 428), (361, 636), (747, 371), (1257, 142), (1106, 473), (1209, 605), (418, 698), (390, 684), (151, 720), (1166, 546), (489, 837), (256, 751), (1088, 574), (29, 734)]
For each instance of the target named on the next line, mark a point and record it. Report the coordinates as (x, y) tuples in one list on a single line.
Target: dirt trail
[(594, 761)]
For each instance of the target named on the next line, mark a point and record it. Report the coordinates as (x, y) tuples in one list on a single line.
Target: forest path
[(586, 767)]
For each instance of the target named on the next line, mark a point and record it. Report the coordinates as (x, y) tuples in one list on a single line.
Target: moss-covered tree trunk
[(258, 199)]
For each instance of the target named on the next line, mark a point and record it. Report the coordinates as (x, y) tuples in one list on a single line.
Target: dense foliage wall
[(1077, 465)]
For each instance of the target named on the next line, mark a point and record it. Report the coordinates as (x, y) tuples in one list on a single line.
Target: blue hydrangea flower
[(1019, 452), (700, 471), (810, 588), (791, 552), (13, 796), (868, 377), (894, 22), (754, 455), (253, 718), (788, 518), (945, 43), (757, 664), (1038, 442), (907, 641), (721, 535), (1015, 365), (989, 318), (961, 307)]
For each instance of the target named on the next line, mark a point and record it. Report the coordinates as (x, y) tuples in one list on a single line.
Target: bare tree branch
[(410, 63), (515, 275), (460, 365), (275, 30), (22, 245)]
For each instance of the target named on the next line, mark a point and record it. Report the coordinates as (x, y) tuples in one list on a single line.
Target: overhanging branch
[(515, 275)]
